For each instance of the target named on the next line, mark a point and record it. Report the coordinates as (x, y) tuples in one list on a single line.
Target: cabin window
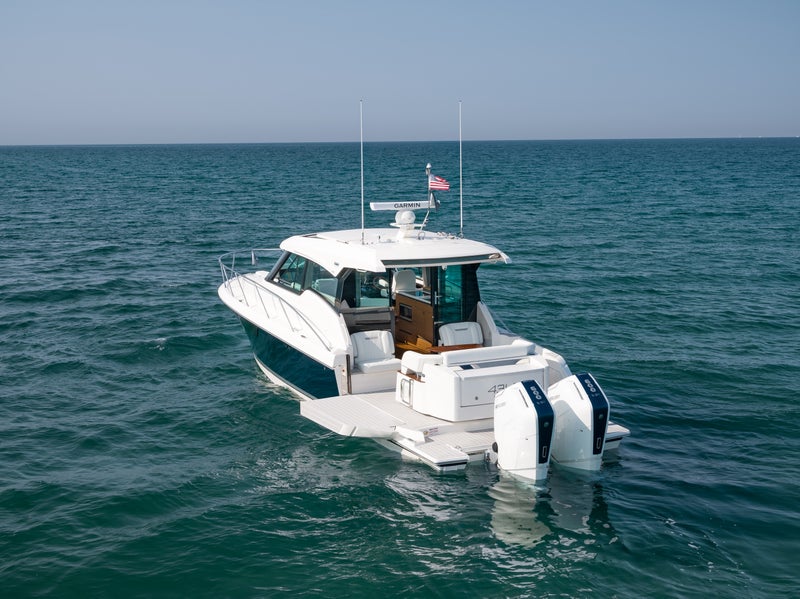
[(323, 282), (292, 272), (365, 290), (298, 273)]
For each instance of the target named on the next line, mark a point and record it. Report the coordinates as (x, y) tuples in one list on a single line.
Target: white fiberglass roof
[(386, 248)]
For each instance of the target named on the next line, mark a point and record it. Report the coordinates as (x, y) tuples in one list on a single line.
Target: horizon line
[(412, 141)]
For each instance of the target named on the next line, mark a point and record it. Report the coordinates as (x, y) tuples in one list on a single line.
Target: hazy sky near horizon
[(173, 71)]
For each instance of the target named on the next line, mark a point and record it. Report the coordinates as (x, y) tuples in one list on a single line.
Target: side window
[(292, 272), (365, 290), (374, 289), (323, 282)]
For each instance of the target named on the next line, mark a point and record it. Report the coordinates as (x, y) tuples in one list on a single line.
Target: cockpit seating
[(373, 351), (404, 280), (374, 364), (461, 333)]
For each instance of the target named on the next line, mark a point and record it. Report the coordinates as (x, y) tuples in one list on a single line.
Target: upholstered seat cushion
[(461, 333), (373, 351)]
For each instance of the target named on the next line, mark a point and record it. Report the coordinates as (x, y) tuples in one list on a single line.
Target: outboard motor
[(523, 430), (582, 412)]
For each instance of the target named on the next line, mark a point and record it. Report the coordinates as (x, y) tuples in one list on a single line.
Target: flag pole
[(361, 133), (460, 175), (431, 199)]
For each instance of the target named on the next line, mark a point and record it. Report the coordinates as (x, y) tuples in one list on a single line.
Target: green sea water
[(142, 453)]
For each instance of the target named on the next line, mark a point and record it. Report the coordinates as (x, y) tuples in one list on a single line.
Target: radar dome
[(405, 217)]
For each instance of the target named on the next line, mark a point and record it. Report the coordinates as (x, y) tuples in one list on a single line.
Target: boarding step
[(437, 454), (470, 443), (614, 434), (449, 450)]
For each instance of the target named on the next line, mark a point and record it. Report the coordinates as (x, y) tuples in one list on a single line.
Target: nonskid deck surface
[(440, 443), (375, 415), (443, 445)]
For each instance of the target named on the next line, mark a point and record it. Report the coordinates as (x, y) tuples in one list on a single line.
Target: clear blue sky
[(164, 71)]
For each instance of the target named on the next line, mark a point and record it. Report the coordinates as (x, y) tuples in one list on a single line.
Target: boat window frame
[(306, 277), (314, 274), (378, 296), (287, 263), (457, 292)]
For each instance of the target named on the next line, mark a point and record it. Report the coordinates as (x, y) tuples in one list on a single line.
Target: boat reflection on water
[(514, 517), (525, 514)]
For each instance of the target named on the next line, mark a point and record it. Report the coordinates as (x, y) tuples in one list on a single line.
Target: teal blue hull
[(295, 369)]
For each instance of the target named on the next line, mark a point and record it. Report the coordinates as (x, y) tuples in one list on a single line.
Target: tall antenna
[(460, 174), (361, 129)]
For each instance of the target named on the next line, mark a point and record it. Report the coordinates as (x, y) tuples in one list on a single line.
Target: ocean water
[(142, 453)]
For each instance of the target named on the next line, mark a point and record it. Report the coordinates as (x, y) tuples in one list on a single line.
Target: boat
[(383, 333)]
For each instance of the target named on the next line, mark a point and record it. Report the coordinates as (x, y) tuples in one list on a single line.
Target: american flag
[(435, 182)]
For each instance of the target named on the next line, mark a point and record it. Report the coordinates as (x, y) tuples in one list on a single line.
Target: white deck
[(378, 415), (441, 444)]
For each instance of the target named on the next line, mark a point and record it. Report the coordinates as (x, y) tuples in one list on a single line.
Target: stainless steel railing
[(239, 285)]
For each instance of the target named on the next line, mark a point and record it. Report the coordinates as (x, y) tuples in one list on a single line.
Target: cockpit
[(410, 301)]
